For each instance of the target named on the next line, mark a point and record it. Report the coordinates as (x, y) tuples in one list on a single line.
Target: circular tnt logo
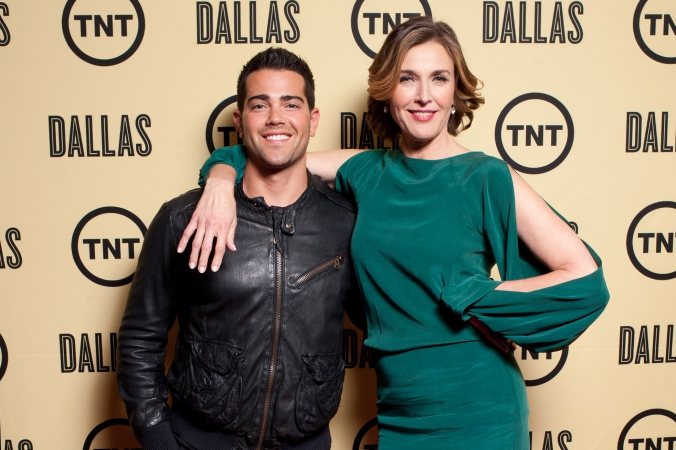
[(539, 368), (106, 244), (221, 130), (367, 437), (4, 358), (651, 428), (650, 241), (103, 32), (534, 133), (113, 433), (655, 29), (372, 20)]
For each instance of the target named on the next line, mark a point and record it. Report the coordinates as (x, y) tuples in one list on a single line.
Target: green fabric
[(232, 156), (426, 238)]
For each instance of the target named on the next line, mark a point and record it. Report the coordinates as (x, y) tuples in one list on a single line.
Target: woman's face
[(421, 104)]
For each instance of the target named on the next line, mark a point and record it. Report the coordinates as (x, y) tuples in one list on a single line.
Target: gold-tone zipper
[(275, 346), (309, 275)]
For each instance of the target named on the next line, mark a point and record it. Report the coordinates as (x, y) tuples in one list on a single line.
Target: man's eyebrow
[(264, 97), (286, 98)]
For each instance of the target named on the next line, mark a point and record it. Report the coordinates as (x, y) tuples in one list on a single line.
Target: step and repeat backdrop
[(109, 107)]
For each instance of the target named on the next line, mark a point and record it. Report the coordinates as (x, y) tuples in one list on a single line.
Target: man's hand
[(215, 217)]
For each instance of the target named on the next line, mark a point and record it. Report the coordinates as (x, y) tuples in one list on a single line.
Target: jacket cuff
[(459, 297), (158, 437)]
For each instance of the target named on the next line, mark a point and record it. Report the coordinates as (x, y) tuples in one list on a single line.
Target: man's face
[(276, 122)]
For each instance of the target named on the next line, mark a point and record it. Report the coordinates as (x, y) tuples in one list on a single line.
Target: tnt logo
[(655, 29), (4, 358), (505, 24), (13, 260), (652, 137), (105, 245), (367, 437), (534, 133), (650, 241), (372, 20), (653, 429), (4, 31), (113, 434), (228, 24), (103, 32), (539, 368), (221, 130)]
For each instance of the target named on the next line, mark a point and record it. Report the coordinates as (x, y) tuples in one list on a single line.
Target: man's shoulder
[(331, 195), (184, 203)]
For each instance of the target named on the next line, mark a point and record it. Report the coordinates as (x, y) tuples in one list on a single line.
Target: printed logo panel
[(372, 20), (5, 36), (655, 29), (13, 258), (221, 130), (112, 434), (649, 133), (262, 22), (103, 32), (534, 133), (647, 345), (539, 368), (650, 241), (653, 429), (532, 22), (106, 244)]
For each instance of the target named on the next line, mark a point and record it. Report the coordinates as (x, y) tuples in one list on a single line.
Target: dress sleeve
[(543, 320), (356, 172), (234, 156)]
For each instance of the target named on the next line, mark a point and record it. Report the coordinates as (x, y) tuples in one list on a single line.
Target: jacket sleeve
[(234, 156), (543, 320), (148, 317)]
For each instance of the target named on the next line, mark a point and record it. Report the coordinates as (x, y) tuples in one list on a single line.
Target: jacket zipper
[(275, 345), (309, 275)]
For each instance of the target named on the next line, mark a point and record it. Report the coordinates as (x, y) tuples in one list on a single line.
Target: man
[(258, 361)]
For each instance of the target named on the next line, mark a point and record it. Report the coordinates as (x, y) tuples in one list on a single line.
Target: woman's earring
[(452, 109), (385, 109)]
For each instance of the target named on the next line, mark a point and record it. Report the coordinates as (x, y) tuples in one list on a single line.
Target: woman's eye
[(405, 79), (440, 79)]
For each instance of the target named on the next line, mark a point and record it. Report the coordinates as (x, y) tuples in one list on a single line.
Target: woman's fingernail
[(192, 265), (180, 249), (214, 268), (202, 269)]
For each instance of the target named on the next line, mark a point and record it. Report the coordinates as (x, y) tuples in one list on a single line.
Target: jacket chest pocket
[(319, 390), (332, 265), (211, 382)]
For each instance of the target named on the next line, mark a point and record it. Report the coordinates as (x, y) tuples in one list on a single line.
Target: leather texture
[(228, 363)]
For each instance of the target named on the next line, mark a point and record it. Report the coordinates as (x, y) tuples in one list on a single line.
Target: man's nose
[(275, 115)]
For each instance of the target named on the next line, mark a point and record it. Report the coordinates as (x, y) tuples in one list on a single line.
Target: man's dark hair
[(276, 59)]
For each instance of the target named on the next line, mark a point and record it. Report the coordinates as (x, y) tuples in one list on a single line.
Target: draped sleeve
[(544, 319), (234, 156)]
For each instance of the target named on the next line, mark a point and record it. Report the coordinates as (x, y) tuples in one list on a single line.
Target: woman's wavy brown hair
[(384, 75)]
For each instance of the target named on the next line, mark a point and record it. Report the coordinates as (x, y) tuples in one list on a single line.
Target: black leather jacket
[(258, 353)]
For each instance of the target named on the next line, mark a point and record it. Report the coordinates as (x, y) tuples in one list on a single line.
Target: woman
[(433, 218)]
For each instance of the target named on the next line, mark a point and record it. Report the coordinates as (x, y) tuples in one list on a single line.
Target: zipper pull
[(338, 260)]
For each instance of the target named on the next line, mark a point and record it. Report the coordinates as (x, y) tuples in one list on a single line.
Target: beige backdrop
[(589, 80)]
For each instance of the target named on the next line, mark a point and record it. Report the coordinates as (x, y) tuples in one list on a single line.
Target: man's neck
[(278, 188)]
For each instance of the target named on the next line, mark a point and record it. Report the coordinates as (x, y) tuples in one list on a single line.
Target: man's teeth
[(277, 137)]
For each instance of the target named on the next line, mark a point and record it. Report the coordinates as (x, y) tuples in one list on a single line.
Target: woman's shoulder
[(363, 161), (480, 167)]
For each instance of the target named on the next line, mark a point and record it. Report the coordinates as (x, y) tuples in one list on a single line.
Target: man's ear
[(238, 123), (314, 121)]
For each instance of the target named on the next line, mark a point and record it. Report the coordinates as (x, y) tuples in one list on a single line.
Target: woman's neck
[(441, 146)]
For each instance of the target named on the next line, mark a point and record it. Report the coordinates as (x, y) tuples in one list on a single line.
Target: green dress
[(427, 235)]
